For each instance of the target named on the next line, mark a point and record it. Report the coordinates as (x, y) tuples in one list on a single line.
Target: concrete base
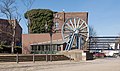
[(76, 54)]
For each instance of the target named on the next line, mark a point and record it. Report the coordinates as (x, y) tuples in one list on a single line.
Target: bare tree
[(92, 33), (9, 9), (28, 4)]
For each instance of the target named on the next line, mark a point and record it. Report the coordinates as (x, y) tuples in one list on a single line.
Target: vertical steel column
[(77, 42), (34, 56), (46, 55), (67, 45), (80, 42), (44, 49), (37, 48), (89, 42), (71, 42)]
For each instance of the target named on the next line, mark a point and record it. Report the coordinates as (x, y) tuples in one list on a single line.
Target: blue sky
[(104, 15)]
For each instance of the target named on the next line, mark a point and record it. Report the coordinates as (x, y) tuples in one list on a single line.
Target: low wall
[(77, 55), (38, 57)]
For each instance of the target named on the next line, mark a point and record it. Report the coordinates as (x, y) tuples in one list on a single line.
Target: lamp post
[(50, 45), (56, 28), (46, 27)]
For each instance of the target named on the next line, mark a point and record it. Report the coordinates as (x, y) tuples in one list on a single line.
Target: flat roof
[(58, 42)]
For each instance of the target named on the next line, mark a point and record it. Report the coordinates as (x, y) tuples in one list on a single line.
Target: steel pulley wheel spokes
[(74, 29)]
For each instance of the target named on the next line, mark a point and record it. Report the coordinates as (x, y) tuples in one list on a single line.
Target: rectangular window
[(39, 48), (34, 48), (42, 48)]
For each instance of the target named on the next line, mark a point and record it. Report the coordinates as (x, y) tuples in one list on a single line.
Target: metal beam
[(106, 37)]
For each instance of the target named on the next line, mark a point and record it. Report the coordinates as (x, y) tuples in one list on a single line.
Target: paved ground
[(107, 64)]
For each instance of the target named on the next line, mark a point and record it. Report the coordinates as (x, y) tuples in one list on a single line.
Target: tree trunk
[(13, 36)]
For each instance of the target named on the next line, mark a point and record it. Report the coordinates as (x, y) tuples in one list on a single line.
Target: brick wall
[(6, 31), (61, 17)]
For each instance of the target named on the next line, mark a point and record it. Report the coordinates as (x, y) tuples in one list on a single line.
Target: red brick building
[(6, 33), (41, 42)]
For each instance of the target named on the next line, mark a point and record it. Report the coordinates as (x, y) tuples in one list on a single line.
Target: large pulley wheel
[(74, 32)]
